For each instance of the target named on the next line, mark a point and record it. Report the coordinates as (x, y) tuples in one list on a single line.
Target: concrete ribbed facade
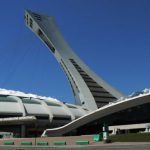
[(48, 112), (90, 90)]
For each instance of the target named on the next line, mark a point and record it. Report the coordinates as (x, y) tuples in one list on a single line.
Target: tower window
[(43, 37), (27, 19), (37, 16), (31, 23)]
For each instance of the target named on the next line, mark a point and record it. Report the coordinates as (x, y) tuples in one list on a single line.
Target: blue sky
[(111, 36)]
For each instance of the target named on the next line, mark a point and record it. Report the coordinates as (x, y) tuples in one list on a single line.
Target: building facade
[(97, 102), (27, 115), (90, 90)]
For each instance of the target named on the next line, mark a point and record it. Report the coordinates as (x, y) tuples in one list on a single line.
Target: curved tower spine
[(89, 90)]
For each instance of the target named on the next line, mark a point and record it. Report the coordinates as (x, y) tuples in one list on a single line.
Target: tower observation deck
[(89, 90)]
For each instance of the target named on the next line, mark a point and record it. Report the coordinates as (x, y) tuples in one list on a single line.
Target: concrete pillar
[(105, 131), (127, 131), (23, 131), (114, 131), (146, 129)]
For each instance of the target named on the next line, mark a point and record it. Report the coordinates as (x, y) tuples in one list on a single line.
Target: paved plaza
[(113, 146)]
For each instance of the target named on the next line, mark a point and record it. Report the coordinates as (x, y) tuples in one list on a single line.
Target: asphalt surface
[(106, 147)]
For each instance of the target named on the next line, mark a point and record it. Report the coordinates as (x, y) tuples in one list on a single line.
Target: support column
[(114, 131), (105, 132), (23, 131)]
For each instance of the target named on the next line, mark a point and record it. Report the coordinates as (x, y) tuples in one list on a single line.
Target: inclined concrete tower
[(90, 90)]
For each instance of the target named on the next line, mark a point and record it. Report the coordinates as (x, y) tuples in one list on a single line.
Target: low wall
[(17, 141), (70, 140)]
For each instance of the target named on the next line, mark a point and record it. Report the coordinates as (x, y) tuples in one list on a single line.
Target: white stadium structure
[(97, 102), (18, 110)]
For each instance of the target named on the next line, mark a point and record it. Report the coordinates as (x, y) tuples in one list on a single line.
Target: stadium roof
[(22, 94)]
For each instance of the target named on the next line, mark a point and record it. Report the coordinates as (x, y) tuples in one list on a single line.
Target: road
[(106, 147)]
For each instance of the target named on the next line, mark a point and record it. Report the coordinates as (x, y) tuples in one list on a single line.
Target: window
[(30, 101), (83, 103), (62, 118), (37, 16), (6, 99), (31, 23), (42, 117), (71, 106), (53, 104), (27, 20), (44, 38)]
